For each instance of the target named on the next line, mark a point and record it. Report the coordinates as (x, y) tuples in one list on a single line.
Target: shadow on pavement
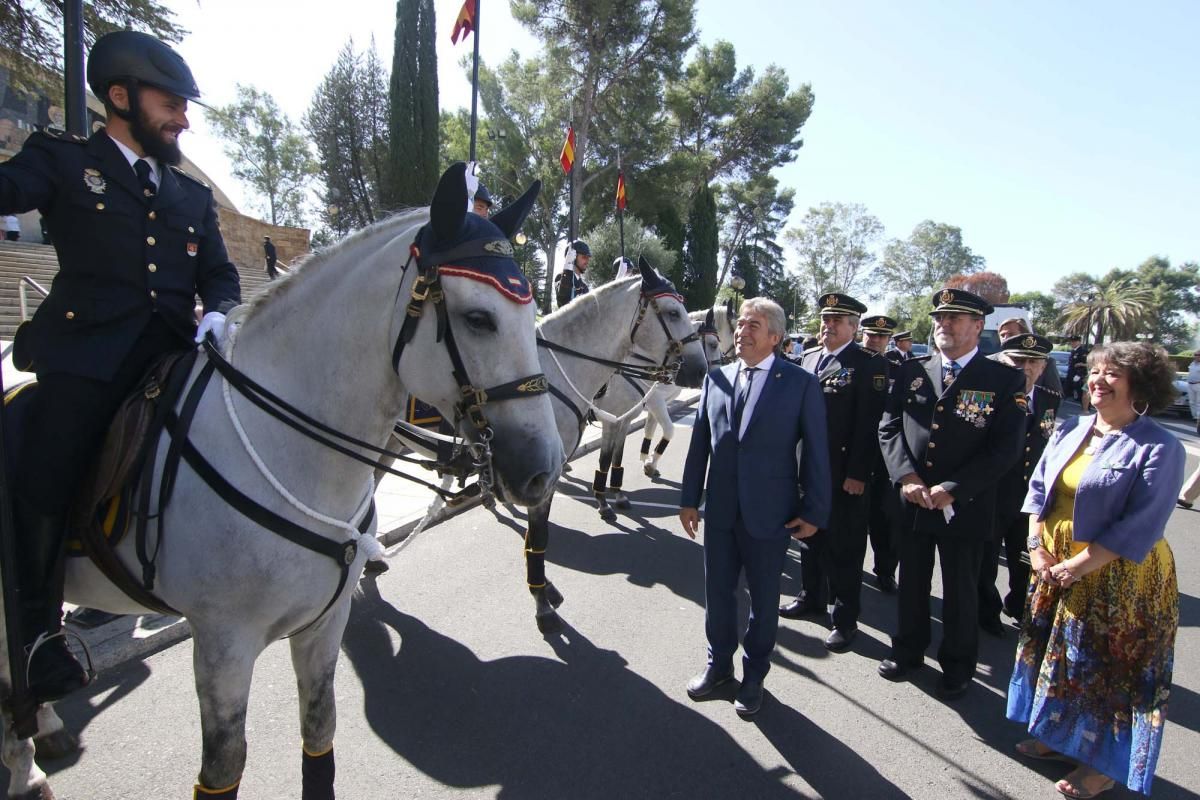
[(585, 726)]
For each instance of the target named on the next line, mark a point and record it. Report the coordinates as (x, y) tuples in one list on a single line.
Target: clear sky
[(1059, 136)]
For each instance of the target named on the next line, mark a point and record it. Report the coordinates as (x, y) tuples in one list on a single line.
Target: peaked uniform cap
[(1027, 345), (879, 324), (838, 303), (902, 336), (960, 301)]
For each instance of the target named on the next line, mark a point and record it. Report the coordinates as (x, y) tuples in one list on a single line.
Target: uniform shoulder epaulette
[(1050, 392), (921, 359), (191, 178), (59, 134)]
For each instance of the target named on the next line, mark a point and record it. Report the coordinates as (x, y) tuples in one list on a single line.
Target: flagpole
[(620, 210), (574, 160), (475, 80)]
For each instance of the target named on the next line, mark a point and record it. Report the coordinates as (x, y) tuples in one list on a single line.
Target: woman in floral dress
[(1093, 666)]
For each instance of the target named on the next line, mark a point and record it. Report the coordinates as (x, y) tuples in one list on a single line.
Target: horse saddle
[(102, 511)]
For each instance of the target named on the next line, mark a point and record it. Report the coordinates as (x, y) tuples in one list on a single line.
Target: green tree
[(605, 241), (911, 312), (925, 260), (1174, 300), (744, 267), (347, 121), (752, 211), (1118, 308), (413, 122), (267, 153), (32, 29), (1043, 312), (673, 232), (612, 56), (700, 255), (834, 245)]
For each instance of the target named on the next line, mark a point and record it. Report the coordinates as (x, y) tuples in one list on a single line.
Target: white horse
[(325, 340), (625, 398)]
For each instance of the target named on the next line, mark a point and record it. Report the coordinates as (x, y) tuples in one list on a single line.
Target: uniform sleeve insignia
[(917, 383), (1022, 401), (879, 382), (94, 181)]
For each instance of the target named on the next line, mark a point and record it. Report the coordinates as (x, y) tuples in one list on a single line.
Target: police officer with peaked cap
[(1029, 353), (883, 506), (877, 331), (137, 240), (953, 424), (903, 350), (569, 283), (853, 382)]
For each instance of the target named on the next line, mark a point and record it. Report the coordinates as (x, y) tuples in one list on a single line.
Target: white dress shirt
[(764, 368), (133, 158)]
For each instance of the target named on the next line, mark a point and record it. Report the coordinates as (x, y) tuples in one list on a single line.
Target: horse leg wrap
[(204, 793), (600, 482), (618, 478), (645, 449), (662, 446), (318, 772)]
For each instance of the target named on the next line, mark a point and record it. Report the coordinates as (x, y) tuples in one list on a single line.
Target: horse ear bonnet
[(512, 216), (469, 246), (709, 325), (653, 284)]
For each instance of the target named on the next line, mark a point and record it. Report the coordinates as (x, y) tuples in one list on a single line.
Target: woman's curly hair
[(1147, 367)]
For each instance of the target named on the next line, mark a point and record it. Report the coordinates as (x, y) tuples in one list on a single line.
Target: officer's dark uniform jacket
[(962, 437), (896, 357), (123, 257), (854, 385), (568, 285), (1039, 427)]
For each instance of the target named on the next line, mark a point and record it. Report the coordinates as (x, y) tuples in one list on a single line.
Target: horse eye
[(480, 321), (673, 314)]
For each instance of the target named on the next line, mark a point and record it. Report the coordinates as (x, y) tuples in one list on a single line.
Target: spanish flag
[(567, 157), (465, 22), (621, 191)]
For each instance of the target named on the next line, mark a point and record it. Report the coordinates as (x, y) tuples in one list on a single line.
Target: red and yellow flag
[(621, 191), (465, 23), (567, 157)]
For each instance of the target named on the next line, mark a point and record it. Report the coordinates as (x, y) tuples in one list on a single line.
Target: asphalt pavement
[(446, 689)]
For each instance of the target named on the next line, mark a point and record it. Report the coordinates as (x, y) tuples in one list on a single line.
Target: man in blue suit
[(753, 416)]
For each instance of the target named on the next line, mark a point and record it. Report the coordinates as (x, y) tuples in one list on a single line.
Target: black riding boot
[(53, 670)]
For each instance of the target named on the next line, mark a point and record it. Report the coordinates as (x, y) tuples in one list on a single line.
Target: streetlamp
[(737, 283)]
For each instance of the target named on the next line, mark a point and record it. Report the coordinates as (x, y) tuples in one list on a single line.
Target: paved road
[(447, 690)]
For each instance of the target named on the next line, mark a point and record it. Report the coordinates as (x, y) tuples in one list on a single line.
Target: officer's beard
[(153, 142)]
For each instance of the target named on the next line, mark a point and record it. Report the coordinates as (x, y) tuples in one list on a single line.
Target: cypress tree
[(700, 257), (413, 121)]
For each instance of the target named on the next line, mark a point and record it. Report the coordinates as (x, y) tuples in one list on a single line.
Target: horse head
[(674, 336), (710, 339), (486, 374)]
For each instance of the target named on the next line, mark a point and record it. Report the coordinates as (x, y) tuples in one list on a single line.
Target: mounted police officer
[(481, 203), (854, 384), (137, 240), (569, 283)]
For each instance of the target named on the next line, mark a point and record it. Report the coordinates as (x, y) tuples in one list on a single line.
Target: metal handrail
[(23, 295)]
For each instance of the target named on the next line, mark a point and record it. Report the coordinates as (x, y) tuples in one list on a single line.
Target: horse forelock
[(382, 231)]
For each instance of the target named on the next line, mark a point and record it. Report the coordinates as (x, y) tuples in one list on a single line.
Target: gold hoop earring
[(1141, 413)]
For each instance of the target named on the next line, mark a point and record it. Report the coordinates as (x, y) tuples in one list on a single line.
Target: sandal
[(1075, 784), (1032, 748)]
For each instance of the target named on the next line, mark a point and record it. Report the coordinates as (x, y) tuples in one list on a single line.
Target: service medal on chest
[(94, 181), (192, 249), (975, 407), (1047, 423), (916, 384)]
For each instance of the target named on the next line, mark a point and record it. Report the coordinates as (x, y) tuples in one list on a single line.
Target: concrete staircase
[(40, 262)]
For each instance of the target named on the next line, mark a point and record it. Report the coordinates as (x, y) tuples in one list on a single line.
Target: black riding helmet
[(125, 55), (580, 247)]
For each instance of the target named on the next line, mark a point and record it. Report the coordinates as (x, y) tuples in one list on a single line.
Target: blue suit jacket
[(758, 475)]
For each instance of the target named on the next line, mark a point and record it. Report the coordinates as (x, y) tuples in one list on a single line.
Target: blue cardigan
[(1127, 492)]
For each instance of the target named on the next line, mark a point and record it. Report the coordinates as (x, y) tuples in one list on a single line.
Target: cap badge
[(881, 323), (94, 181), (831, 301), (947, 296), (1028, 342)]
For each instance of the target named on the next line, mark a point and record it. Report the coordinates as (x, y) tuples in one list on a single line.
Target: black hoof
[(59, 744), (42, 792), (549, 623), (621, 502), (608, 515), (553, 595)]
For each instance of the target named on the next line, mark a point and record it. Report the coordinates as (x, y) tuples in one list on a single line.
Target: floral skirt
[(1093, 667)]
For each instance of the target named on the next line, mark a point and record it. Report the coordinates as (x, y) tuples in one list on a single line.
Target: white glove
[(213, 321), (472, 183)]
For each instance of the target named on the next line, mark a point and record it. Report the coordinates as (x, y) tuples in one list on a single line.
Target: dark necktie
[(824, 362), (739, 401), (950, 372), (142, 168)]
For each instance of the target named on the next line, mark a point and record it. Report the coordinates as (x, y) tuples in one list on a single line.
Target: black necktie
[(824, 362), (739, 400), (949, 373), (142, 168)]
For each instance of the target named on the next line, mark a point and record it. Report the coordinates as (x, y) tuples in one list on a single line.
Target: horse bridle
[(427, 287), (673, 358)]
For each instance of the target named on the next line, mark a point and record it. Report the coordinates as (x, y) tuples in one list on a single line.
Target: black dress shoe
[(54, 673), (839, 639), (798, 609), (887, 584), (1183, 503), (749, 698), (952, 690), (704, 683), (992, 626), (893, 670)]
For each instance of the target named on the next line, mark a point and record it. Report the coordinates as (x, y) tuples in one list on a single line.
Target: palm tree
[(1118, 308)]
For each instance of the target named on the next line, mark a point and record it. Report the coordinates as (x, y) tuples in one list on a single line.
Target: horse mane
[(388, 226), (595, 294)]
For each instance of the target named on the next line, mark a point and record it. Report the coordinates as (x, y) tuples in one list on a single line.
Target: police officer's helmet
[(138, 56), (580, 247), (483, 194)]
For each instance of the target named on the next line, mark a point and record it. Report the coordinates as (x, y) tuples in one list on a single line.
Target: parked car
[(1181, 405), (1061, 359), (919, 349)]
